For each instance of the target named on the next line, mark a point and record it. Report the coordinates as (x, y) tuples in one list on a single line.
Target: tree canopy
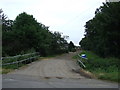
[(102, 33), (25, 33)]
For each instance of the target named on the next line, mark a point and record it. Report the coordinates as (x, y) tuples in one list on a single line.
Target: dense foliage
[(71, 47), (25, 34), (102, 33), (103, 68)]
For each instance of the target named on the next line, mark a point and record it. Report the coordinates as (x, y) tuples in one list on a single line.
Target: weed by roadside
[(103, 68)]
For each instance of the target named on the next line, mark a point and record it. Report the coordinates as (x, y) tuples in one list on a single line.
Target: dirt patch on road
[(59, 66), (86, 74)]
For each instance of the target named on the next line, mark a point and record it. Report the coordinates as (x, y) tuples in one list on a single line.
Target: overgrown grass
[(5, 71), (103, 68)]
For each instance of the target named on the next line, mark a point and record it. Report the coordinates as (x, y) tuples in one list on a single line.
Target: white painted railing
[(81, 61)]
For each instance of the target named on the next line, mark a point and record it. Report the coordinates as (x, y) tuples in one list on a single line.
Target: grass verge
[(5, 71), (102, 68)]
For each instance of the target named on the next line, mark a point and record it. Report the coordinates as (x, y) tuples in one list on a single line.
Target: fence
[(79, 61), (19, 59)]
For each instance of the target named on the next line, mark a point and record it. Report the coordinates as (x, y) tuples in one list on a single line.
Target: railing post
[(20, 61), (81, 61), (17, 64)]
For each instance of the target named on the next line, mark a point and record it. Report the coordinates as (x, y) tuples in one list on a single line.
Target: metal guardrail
[(81, 61), (18, 61), (2, 58)]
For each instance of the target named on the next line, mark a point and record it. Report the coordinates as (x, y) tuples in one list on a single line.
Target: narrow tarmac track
[(52, 73)]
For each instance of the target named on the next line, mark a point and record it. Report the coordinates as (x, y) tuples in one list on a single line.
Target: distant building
[(112, 0)]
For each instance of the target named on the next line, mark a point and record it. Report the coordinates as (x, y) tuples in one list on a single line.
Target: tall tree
[(28, 34), (103, 31)]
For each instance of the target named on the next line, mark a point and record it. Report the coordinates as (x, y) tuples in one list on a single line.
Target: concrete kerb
[(84, 73)]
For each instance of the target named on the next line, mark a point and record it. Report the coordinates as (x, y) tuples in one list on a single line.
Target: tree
[(103, 32), (71, 46), (59, 44), (6, 23), (26, 34)]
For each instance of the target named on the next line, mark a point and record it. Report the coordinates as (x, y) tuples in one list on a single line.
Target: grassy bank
[(103, 68)]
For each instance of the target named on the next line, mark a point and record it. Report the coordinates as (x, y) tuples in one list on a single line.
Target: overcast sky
[(66, 16)]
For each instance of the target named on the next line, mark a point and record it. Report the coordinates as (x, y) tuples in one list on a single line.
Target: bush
[(104, 68)]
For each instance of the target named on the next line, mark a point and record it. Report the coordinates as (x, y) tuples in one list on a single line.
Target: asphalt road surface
[(52, 73)]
